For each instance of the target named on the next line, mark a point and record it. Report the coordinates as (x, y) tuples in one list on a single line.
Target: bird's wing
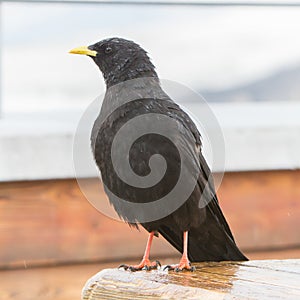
[(212, 240)]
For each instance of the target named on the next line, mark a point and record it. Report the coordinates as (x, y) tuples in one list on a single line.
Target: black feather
[(210, 238)]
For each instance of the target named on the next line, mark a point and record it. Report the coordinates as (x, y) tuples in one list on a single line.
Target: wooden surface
[(263, 208), (46, 223), (62, 282), (51, 283), (249, 280), (51, 222)]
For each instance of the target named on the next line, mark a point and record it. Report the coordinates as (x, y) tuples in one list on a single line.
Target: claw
[(183, 265), (144, 265), (132, 269), (125, 267), (167, 267)]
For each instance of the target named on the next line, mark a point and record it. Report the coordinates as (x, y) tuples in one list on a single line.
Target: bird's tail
[(198, 250), (211, 241)]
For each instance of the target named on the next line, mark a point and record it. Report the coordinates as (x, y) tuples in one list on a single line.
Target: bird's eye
[(108, 50)]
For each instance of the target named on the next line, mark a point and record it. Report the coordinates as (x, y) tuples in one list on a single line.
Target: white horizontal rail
[(169, 3), (257, 137)]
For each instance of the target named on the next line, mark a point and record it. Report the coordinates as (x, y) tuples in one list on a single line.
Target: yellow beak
[(83, 51)]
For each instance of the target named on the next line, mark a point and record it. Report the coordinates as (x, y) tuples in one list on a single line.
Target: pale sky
[(201, 47)]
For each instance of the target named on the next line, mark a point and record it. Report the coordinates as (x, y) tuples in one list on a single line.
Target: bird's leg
[(184, 263), (145, 264)]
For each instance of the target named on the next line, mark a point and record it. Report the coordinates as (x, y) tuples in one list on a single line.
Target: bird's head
[(119, 60)]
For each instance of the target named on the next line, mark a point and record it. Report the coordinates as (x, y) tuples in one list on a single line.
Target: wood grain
[(229, 280), (51, 222), (263, 208), (62, 282), (59, 283)]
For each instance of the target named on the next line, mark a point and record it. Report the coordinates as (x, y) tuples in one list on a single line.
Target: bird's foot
[(184, 264), (145, 264)]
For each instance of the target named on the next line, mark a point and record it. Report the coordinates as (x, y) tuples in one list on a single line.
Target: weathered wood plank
[(262, 207), (277, 254), (52, 283), (225, 280), (49, 222), (46, 222), (66, 282)]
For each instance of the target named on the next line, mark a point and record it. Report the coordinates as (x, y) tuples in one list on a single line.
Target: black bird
[(196, 227)]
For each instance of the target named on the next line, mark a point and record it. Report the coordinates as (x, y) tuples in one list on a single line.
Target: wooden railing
[(51, 222)]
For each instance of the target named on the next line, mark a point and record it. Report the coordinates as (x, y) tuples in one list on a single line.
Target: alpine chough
[(200, 232)]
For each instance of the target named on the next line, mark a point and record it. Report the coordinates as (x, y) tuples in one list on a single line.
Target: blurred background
[(243, 58)]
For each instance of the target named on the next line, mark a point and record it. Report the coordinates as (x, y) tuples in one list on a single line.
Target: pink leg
[(184, 263), (145, 263)]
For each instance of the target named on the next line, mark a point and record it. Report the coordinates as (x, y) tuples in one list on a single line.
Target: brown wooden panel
[(275, 254), (51, 221), (263, 208)]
